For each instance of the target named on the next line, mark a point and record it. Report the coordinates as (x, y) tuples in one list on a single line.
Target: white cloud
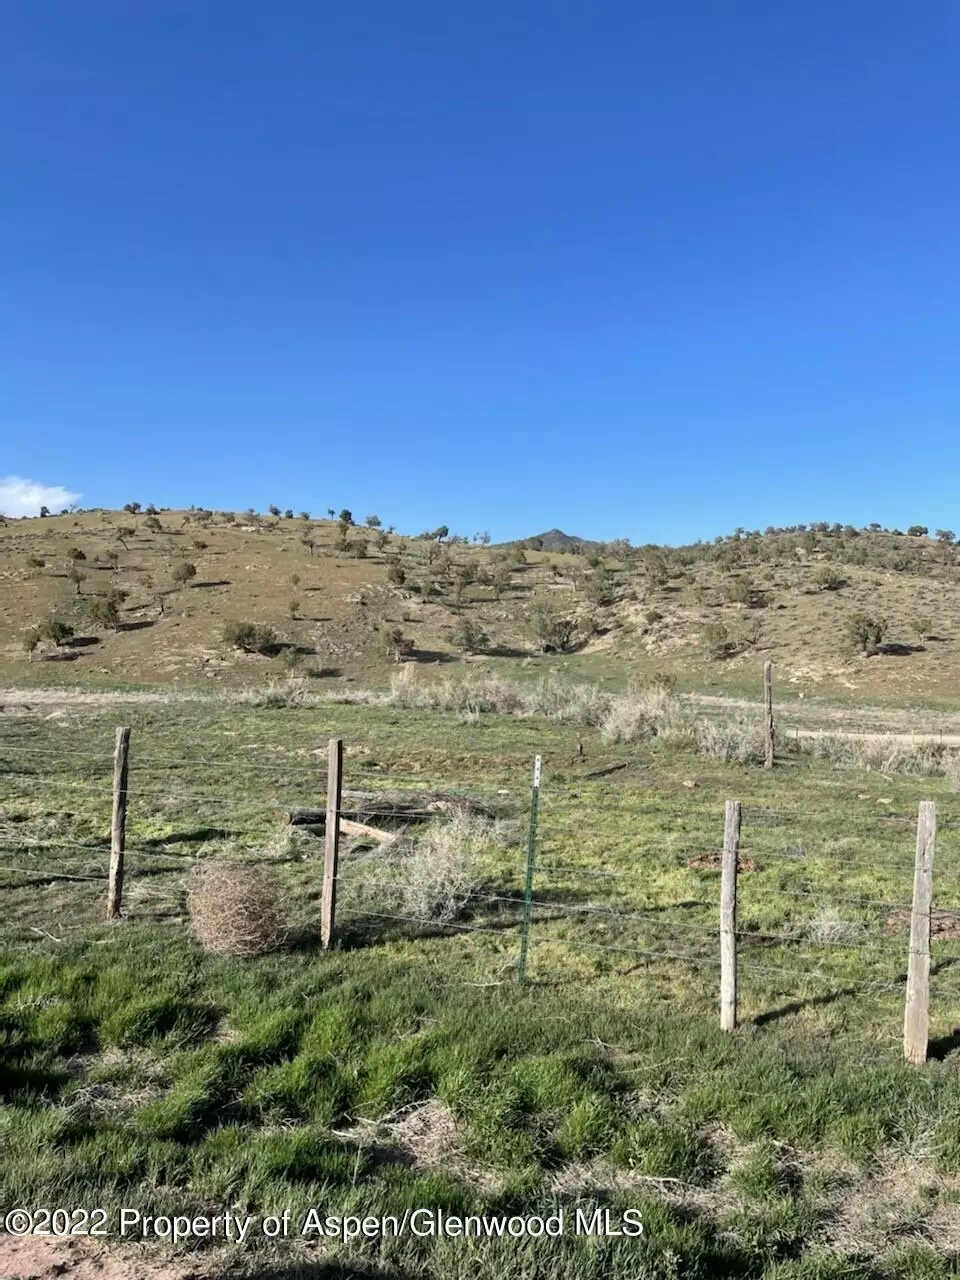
[(19, 497)]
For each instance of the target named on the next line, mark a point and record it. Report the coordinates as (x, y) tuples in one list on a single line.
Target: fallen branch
[(361, 829)]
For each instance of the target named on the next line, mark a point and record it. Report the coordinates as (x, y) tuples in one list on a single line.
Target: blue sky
[(639, 270)]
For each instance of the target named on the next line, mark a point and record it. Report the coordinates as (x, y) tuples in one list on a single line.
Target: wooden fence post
[(331, 845), (728, 916), (768, 714), (916, 1018), (118, 824)]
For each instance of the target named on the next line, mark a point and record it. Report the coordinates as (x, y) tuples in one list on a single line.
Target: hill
[(557, 540), (345, 602)]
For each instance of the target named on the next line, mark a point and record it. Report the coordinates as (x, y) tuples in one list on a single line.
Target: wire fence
[(621, 881)]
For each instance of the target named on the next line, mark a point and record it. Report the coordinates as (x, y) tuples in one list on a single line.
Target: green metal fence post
[(531, 862)]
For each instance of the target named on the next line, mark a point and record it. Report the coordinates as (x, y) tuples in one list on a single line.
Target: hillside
[(345, 602)]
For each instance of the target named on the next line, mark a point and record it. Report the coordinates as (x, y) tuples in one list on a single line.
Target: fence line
[(725, 945)]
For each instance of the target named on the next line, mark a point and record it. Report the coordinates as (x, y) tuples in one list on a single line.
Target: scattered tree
[(44, 512), (132, 507), (273, 509), (866, 631), (468, 636), (152, 523), (717, 640), (55, 630), (104, 611), (396, 643), (76, 554), (373, 522), (917, 531), (76, 577), (31, 642), (345, 517), (552, 630)]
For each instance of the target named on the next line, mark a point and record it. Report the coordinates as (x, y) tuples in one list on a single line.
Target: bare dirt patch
[(714, 862), (943, 924), (40, 1258)]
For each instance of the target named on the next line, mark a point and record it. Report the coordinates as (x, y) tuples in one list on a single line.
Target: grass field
[(407, 1068)]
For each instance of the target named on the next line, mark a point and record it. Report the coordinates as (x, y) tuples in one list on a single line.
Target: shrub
[(76, 554), (468, 636), (645, 712), (276, 695), (827, 578), (251, 637), (922, 628), (717, 641), (104, 611), (553, 630), (293, 607), (734, 740), (429, 877), (35, 562), (31, 642), (396, 643), (153, 524), (866, 631), (359, 548), (182, 572), (55, 630), (235, 909), (396, 575), (599, 588), (652, 616)]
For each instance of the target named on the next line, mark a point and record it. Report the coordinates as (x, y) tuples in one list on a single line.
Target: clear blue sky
[(633, 269)]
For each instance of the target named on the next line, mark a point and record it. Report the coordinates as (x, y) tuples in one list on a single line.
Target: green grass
[(138, 1070)]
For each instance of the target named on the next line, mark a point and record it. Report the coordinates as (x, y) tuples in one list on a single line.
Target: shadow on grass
[(197, 835), (81, 642), (943, 1046), (140, 625), (797, 1006), (325, 1271), (214, 582)]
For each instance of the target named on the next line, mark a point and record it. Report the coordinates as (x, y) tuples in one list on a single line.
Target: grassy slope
[(799, 1148), (244, 574)]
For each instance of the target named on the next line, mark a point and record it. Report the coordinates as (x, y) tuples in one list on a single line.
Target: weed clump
[(734, 740), (427, 878), (251, 637), (235, 909)]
